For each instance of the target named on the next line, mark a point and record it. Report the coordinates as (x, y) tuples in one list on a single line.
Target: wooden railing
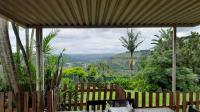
[(176, 101), (26, 102), (76, 100)]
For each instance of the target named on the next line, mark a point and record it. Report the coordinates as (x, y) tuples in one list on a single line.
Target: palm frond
[(131, 42), (124, 41), (139, 44), (46, 41)]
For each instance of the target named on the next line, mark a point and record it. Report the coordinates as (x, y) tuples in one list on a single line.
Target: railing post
[(157, 99), (10, 101), (150, 99), (136, 99), (26, 102), (49, 101), (197, 100), (143, 99), (177, 101), (184, 102), (1, 102), (171, 100)]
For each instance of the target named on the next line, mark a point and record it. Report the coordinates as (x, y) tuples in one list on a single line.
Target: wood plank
[(88, 92), (105, 91), (99, 95), (171, 100), (143, 99), (34, 101), (1, 102), (150, 99), (111, 91), (93, 91), (157, 99), (136, 99), (64, 96), (184, 102), (164, 99), (82, 95), (116, 92), (93, 94), (191, 98), (26, 102), (70, 101), (53, 100), (18, 102), (129, 95), (15, 109), (49, 101), (10, 101), (197, 100), (76, 97), (177, 101)]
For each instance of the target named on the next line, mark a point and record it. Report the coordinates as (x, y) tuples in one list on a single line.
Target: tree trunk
[(7, 57), (24, 56), (17, 52), (131, 63), (31, 44), (27, 43)]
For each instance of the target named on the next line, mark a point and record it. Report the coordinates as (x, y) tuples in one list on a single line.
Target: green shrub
[(77, 71), (125, 83)]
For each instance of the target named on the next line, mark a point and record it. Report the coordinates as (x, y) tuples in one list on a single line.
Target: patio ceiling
[(102, 13)]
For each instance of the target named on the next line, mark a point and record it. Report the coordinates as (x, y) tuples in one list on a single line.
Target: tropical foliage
[(156, 68)]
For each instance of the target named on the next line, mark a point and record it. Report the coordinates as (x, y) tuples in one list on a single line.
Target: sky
[(98, 40)]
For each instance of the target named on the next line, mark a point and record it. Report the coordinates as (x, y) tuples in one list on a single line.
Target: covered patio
[(41, 14)]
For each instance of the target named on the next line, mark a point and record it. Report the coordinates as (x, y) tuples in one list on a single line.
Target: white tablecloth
[(154, 110)]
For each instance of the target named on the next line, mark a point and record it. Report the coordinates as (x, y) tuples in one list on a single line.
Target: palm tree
[(163, 40), (131, 43)]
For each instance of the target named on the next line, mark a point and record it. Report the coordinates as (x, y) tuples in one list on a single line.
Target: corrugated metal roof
[(102, 13)]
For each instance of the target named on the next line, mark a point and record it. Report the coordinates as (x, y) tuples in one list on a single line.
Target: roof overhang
[(102, 13)]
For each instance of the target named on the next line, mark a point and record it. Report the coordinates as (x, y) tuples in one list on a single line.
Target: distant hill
[(120, 62), (117, 62), (89, 57)]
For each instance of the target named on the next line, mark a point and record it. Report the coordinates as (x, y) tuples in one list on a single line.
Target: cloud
[(184, 31), (98, 40)]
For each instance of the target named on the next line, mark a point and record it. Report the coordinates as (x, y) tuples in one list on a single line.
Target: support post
[(174, 61), (39, 61), (39, 70)]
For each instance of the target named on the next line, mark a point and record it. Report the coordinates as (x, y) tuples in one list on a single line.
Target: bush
[(125, 83), (77, 71), (139, 83)]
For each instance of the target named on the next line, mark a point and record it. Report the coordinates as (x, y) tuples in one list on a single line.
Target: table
[(123, 109), (153, 110)]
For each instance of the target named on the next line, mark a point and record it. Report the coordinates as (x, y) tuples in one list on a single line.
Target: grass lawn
[(139, 98), (160, 98)]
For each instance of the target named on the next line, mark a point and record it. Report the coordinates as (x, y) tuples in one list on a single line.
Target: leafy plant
[(154, 72), (125, 83)]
